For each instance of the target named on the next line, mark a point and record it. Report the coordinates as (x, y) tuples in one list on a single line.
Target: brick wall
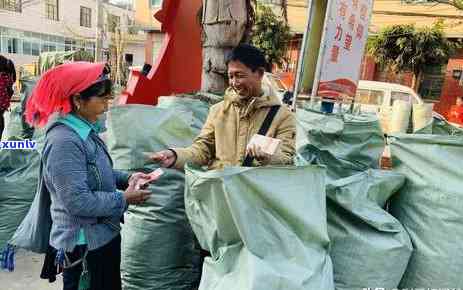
[(451, 88)]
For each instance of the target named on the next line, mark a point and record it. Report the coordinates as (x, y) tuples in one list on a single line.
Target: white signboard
[(346, 33)]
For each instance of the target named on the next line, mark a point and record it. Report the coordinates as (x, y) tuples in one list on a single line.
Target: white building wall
[(135, 48), (33, 19)]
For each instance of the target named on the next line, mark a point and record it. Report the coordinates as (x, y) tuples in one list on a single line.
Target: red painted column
[(451, 88)]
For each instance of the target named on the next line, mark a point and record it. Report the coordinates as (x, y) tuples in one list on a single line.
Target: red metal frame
[(178, 68)]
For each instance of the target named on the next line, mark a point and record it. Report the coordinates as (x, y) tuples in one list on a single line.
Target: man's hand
[(256, 151), (165, 158), (136, 196)]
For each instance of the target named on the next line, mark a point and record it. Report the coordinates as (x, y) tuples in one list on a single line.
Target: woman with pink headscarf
[(86, 204)]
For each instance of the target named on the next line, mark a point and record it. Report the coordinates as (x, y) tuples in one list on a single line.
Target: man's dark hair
[(249, 55), (3, 64)]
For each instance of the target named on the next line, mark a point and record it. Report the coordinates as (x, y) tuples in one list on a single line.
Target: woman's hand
[(141, 180), (166, 158), (136, 196), (136, 178)]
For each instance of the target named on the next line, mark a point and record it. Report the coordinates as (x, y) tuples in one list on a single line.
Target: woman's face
[(92, 108)]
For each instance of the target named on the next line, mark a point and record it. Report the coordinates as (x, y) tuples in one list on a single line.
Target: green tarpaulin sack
[(19, 171), (356, 138), (430, 206), (14, 129), (17, 126), (370, 248), (337, 168), (134, 130), (199, 108), (159, 250), (440, 127), (265, 227)]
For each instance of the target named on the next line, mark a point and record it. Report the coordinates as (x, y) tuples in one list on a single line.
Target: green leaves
[(407, 48), (458, 4), (271, 34)]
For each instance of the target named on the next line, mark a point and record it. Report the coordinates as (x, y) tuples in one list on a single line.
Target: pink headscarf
[(55, 88)]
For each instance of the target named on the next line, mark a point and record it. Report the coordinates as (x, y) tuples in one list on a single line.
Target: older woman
[(86, 207)]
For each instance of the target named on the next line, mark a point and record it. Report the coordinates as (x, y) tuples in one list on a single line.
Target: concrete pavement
[(26, 274)]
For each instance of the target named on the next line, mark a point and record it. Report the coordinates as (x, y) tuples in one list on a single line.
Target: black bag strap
[(263, 130)]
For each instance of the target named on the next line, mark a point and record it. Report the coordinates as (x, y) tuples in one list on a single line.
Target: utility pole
[(99, 31)]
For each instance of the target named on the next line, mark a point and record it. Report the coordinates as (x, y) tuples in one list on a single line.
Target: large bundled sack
[(370, 248), (430, 207), (159, 250), (19, 171), (198, 108), (400, 117), (265, 227), (337, 167), (14, 128), (422, 115), (17, 126), (385, 115), (134, 130), (351, 137), (440, 127)]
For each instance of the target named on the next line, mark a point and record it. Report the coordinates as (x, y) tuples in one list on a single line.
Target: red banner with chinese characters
[(344, 40)]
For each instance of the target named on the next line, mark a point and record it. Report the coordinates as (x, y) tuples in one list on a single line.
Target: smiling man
[(245, 110)]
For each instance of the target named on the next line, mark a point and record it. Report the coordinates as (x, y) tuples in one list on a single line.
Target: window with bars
[(156, 3), (11, 5), (32, 43), (51, 9), (113, 22), (85, 16), (432, 82)]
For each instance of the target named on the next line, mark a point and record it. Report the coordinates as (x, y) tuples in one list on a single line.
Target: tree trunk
[(224, 26), (417, 76), (284, 10)]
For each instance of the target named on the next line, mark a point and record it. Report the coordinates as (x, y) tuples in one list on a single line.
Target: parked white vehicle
[(393, 103), (371, 96)]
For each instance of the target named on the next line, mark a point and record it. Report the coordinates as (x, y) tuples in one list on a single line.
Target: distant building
[(144, 19), (28, 28)]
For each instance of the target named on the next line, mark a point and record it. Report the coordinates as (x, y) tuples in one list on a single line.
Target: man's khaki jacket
[(229, 127)]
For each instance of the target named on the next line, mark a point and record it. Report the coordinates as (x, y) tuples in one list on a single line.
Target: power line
[(420, 14)]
